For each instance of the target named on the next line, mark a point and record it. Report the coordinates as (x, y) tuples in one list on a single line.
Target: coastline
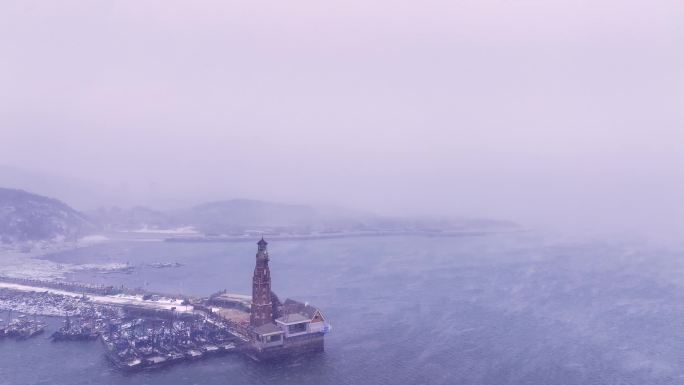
[(341, 235)]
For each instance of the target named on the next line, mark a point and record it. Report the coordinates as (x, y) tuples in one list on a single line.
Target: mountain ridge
[(26, 217), (239, 216)]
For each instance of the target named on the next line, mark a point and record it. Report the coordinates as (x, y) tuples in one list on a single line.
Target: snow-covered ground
[(176, 231), (92, 239), (116, 300)]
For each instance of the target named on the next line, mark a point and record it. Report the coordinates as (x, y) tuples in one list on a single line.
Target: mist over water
[(500, 309)]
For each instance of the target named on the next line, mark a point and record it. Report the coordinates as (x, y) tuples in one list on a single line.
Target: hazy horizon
[(487, 192), (556, 114)]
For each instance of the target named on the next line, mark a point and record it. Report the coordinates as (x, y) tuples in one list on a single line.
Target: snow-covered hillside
[(27, 217)]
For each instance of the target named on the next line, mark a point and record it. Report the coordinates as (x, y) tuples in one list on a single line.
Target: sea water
[(496, 309)]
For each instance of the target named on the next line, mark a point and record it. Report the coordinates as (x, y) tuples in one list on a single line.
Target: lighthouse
[(262, 307), (279, 329)]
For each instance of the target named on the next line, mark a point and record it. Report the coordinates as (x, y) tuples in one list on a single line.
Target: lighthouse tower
[(262, 308)]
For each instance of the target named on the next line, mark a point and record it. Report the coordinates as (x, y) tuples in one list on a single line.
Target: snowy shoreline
[(26, 260), (56, 308)]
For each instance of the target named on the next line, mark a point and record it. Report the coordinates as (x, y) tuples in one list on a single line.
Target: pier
[(145, 330)]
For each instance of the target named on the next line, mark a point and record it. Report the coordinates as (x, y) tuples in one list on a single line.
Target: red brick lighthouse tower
[(262, 308)]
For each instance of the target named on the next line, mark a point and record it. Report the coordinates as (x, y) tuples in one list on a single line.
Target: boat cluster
[(80, 328), (45, 303), (146, 343), (22, 327)]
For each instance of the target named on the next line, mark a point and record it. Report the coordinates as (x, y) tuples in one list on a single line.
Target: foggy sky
[(551, 113)]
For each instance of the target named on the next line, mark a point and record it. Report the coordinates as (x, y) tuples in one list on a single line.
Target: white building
[(297, 323)]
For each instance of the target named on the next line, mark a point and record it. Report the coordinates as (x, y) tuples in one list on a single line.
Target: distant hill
[(241, 216), (238, 216), (134, 218), (234, 216), (29, 217)]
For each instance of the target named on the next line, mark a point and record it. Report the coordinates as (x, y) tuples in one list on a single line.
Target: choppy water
[(500, 309)]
